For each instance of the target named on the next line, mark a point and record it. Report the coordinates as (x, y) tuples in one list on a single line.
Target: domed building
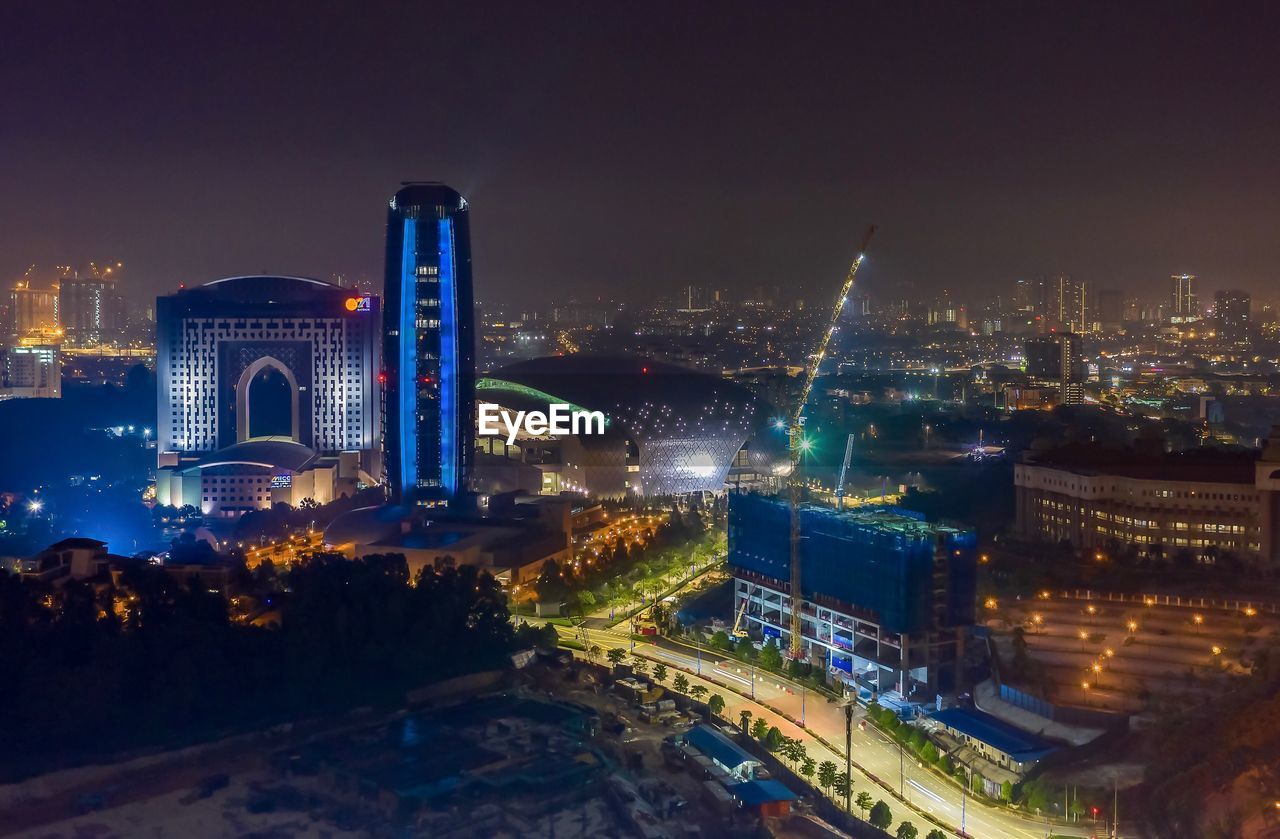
[(267, 393), (668, 429)]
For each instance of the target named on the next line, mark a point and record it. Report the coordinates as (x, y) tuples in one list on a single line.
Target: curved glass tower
[(428, 346)]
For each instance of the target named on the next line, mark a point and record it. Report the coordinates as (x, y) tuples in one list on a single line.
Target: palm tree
[(864, 802), (660, 673), (681, 683), (697, 691), (616, 655), (807, 767)]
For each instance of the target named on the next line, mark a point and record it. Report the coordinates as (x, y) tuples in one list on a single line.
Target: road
[(780, 702)]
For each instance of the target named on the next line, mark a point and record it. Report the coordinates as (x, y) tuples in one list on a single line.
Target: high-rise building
[(428, 346), (91, 311), (31, 372), (1110, 308), (1057, 358), (33, 311), (267, 393), (885, 595), (1184, 302), (1231, 309), (1070, 307)]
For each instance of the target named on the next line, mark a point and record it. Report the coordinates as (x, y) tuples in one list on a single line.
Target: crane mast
[(796, 444)]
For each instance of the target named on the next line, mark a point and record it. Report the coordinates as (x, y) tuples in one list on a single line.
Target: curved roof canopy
[(268, 452)]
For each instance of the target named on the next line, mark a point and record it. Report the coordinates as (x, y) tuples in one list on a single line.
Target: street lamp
[(847, 704)]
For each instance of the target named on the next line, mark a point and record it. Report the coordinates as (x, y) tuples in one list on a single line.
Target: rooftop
[(1210, 465), (996, 733)]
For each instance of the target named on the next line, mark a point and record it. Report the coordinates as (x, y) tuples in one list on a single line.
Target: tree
[(721, 641), (807, 767), (660, 673), (697, 691), (616, 655), (715, 704), (1006, 791), (681, 683), (881, 816), (593, 652), (844, 786), (907, 830), (978, 783), (935, 834), (744, 721), (864, 802), (773, 739), (929, 754), (770, 655), (760, 728), (827, 772), (638, 665)]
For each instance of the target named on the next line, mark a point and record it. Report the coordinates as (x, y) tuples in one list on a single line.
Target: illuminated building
[(428, 346), (670, 430), (33, 311), (31, 372), (1231, 310), (1184, 302), (1201, 504), (885, 593), (1057, 358), (90, 311), (248, 358)]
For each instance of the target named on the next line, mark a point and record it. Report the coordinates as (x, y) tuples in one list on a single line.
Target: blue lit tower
[(429, 346)]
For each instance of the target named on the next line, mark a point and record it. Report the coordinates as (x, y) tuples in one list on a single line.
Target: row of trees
[(98, 667), (791, 750)]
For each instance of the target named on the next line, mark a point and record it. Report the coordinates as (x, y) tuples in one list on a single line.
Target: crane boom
[(796, 444), (844, 469)]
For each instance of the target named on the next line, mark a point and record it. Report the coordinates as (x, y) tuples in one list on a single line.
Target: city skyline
[(1109, 170)]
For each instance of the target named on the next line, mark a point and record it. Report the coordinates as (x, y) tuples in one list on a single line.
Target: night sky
[(616, 149)]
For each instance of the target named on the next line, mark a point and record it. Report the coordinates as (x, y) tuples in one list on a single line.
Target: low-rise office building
[(1206, 504)]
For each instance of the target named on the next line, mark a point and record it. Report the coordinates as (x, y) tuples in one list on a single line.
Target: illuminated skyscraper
[(1057, 358), (1231, 307), (429, 346), (91, 310), (1184, 303)]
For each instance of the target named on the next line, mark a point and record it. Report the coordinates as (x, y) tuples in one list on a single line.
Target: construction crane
[(844, 469), (797, 445)]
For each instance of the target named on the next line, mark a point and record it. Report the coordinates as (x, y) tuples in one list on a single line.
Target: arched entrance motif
[(242, 395)]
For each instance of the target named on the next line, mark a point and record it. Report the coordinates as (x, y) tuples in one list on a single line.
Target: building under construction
[(887, 595)]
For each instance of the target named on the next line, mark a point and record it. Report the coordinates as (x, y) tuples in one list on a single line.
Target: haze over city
[(607, 151)]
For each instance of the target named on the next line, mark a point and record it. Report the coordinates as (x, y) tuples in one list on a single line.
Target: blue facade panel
[(880, 560)]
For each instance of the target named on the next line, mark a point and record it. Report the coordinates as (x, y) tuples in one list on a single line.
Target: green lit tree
[(864, 802), (907, 830), (715, 704), (680, 683), (807, 767), (771, 656), (935, 834), (760, 728)]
